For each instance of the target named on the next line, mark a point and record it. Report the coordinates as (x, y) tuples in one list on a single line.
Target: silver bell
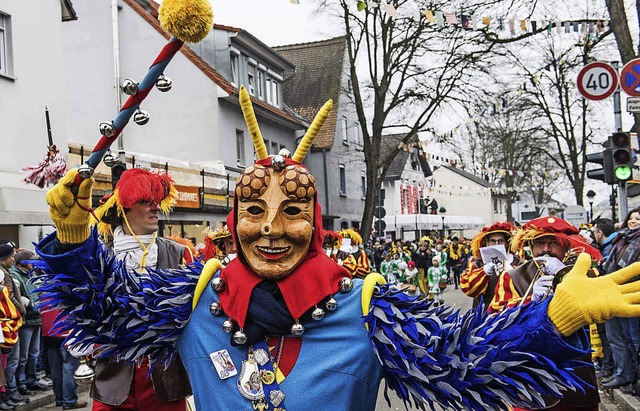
[(84, 373), (129, 87), (140, 117), (346, 284), (277, 162), (217, 284), (107, 129), (110, 159), (317, 314), (240, 337), (215, 308), (297, 328), (332, 304), (164, 83), (284, 153), (227, 326), (85, 171)]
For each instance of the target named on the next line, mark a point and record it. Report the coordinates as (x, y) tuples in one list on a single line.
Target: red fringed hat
[(135, 185), (561, 229), (479, 240)]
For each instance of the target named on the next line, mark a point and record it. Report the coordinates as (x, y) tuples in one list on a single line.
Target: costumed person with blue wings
[(282, 326)]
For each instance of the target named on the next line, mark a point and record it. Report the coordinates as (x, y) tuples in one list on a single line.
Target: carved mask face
[(275, 212)]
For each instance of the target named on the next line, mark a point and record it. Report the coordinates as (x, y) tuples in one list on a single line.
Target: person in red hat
[(552, 241), (480, 279)]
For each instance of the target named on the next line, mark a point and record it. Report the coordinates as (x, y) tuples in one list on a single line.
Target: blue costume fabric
[(426, 355)]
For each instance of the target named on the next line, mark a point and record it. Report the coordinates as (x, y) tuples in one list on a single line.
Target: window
[(343, 128), (6, 60), (358, 133), (251, 79), (267, 88), (235, 73), (343, 181), (275, 93), (240, 147), (274, 147), (260, 84), (496, 206), (363, 184)]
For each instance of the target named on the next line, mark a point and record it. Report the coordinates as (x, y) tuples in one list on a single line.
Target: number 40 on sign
[(597, 81)]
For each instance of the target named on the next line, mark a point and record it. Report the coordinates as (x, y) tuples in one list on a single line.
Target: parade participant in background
[(219, 244), (354, 259), (388, 269), (552, 240), (130, 218), (479, 279), (456, 254), (275, 295), (422, 259), (411, 274), (437, 280)]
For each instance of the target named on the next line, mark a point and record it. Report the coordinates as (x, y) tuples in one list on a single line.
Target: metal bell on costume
[(332, 304), (141, 117), (240, 337), (284, 153), (129, 87), (215, 308), (85, 171), (107, 129), (217, 284), (110, 159), (346, 285), (227, 326), (84, 373), (297, 328), (278, 162), (164, 83), (317, 314)]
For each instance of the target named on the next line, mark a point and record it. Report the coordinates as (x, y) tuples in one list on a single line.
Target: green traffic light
[(622, 173)]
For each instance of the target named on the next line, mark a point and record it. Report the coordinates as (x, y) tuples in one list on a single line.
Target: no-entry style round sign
[(630, 78), (597, 81)]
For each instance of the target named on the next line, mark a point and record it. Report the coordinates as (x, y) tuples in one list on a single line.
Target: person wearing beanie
[(552, 241), (479, 280), (29, 341), (128, 219), (283, 326)]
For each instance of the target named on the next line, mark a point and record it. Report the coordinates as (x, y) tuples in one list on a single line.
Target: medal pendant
[(249, 383), (260, 404), (267, 377), (276, 397)]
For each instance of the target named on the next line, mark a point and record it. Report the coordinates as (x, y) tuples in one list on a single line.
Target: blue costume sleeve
[(473, 361), (130, 315)]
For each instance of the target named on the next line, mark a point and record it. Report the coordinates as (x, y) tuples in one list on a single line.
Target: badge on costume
[(249, 383), (223, 363)]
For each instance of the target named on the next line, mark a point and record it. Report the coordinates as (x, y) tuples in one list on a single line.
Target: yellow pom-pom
[(187, 20)]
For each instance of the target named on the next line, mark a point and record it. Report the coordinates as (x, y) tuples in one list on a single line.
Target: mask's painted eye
[(255, 210), (292, 210)]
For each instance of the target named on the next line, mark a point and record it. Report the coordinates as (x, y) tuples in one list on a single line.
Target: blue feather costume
[(426, 355)]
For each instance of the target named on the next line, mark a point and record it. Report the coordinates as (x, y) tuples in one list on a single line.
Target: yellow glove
[(70, 212), (580, 300)]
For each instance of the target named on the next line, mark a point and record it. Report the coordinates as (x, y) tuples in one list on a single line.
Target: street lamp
[(442, 212), (590, 196)]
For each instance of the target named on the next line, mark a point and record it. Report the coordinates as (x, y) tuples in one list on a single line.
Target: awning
[(22, 203), (432, 222)]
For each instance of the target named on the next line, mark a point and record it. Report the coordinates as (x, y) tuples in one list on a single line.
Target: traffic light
[(604, 158), (622, 157)]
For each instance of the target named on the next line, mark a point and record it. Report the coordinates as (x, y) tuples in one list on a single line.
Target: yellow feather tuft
[(316, 125), (187, 20)]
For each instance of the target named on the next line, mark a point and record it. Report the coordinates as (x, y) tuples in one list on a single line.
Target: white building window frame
[(344, 128), (240, 151), (6, 50), (343, 180)]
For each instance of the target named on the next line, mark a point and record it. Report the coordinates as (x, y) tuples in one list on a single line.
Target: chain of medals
[(257, 381)]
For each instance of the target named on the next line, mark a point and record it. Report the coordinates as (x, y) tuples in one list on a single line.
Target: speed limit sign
[(597, 81)]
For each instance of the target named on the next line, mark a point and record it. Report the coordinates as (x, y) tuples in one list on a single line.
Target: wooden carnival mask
[(275, 203)]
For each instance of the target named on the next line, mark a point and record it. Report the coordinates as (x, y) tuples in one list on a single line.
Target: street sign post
[(576, 215), (633, 104), (597, 81), (630, 78)]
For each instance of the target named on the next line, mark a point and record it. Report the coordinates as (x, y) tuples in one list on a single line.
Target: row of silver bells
[(239, 337)]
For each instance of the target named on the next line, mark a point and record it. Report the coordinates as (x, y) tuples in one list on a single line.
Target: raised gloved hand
[(550, 265), (541, 287), (69, 212), (580, 300), (489, 268)]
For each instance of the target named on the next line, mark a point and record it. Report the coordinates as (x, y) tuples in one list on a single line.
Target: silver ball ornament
[(110, 159), (227, 326), (164, 83), (332, 304), (317, 314), (141, 117), (240, 337), (217, 284), (85, 171), (297, 329), (129, 87), (278, 162), (346, 284), (284, 153), (215, 308), (107, 129)]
